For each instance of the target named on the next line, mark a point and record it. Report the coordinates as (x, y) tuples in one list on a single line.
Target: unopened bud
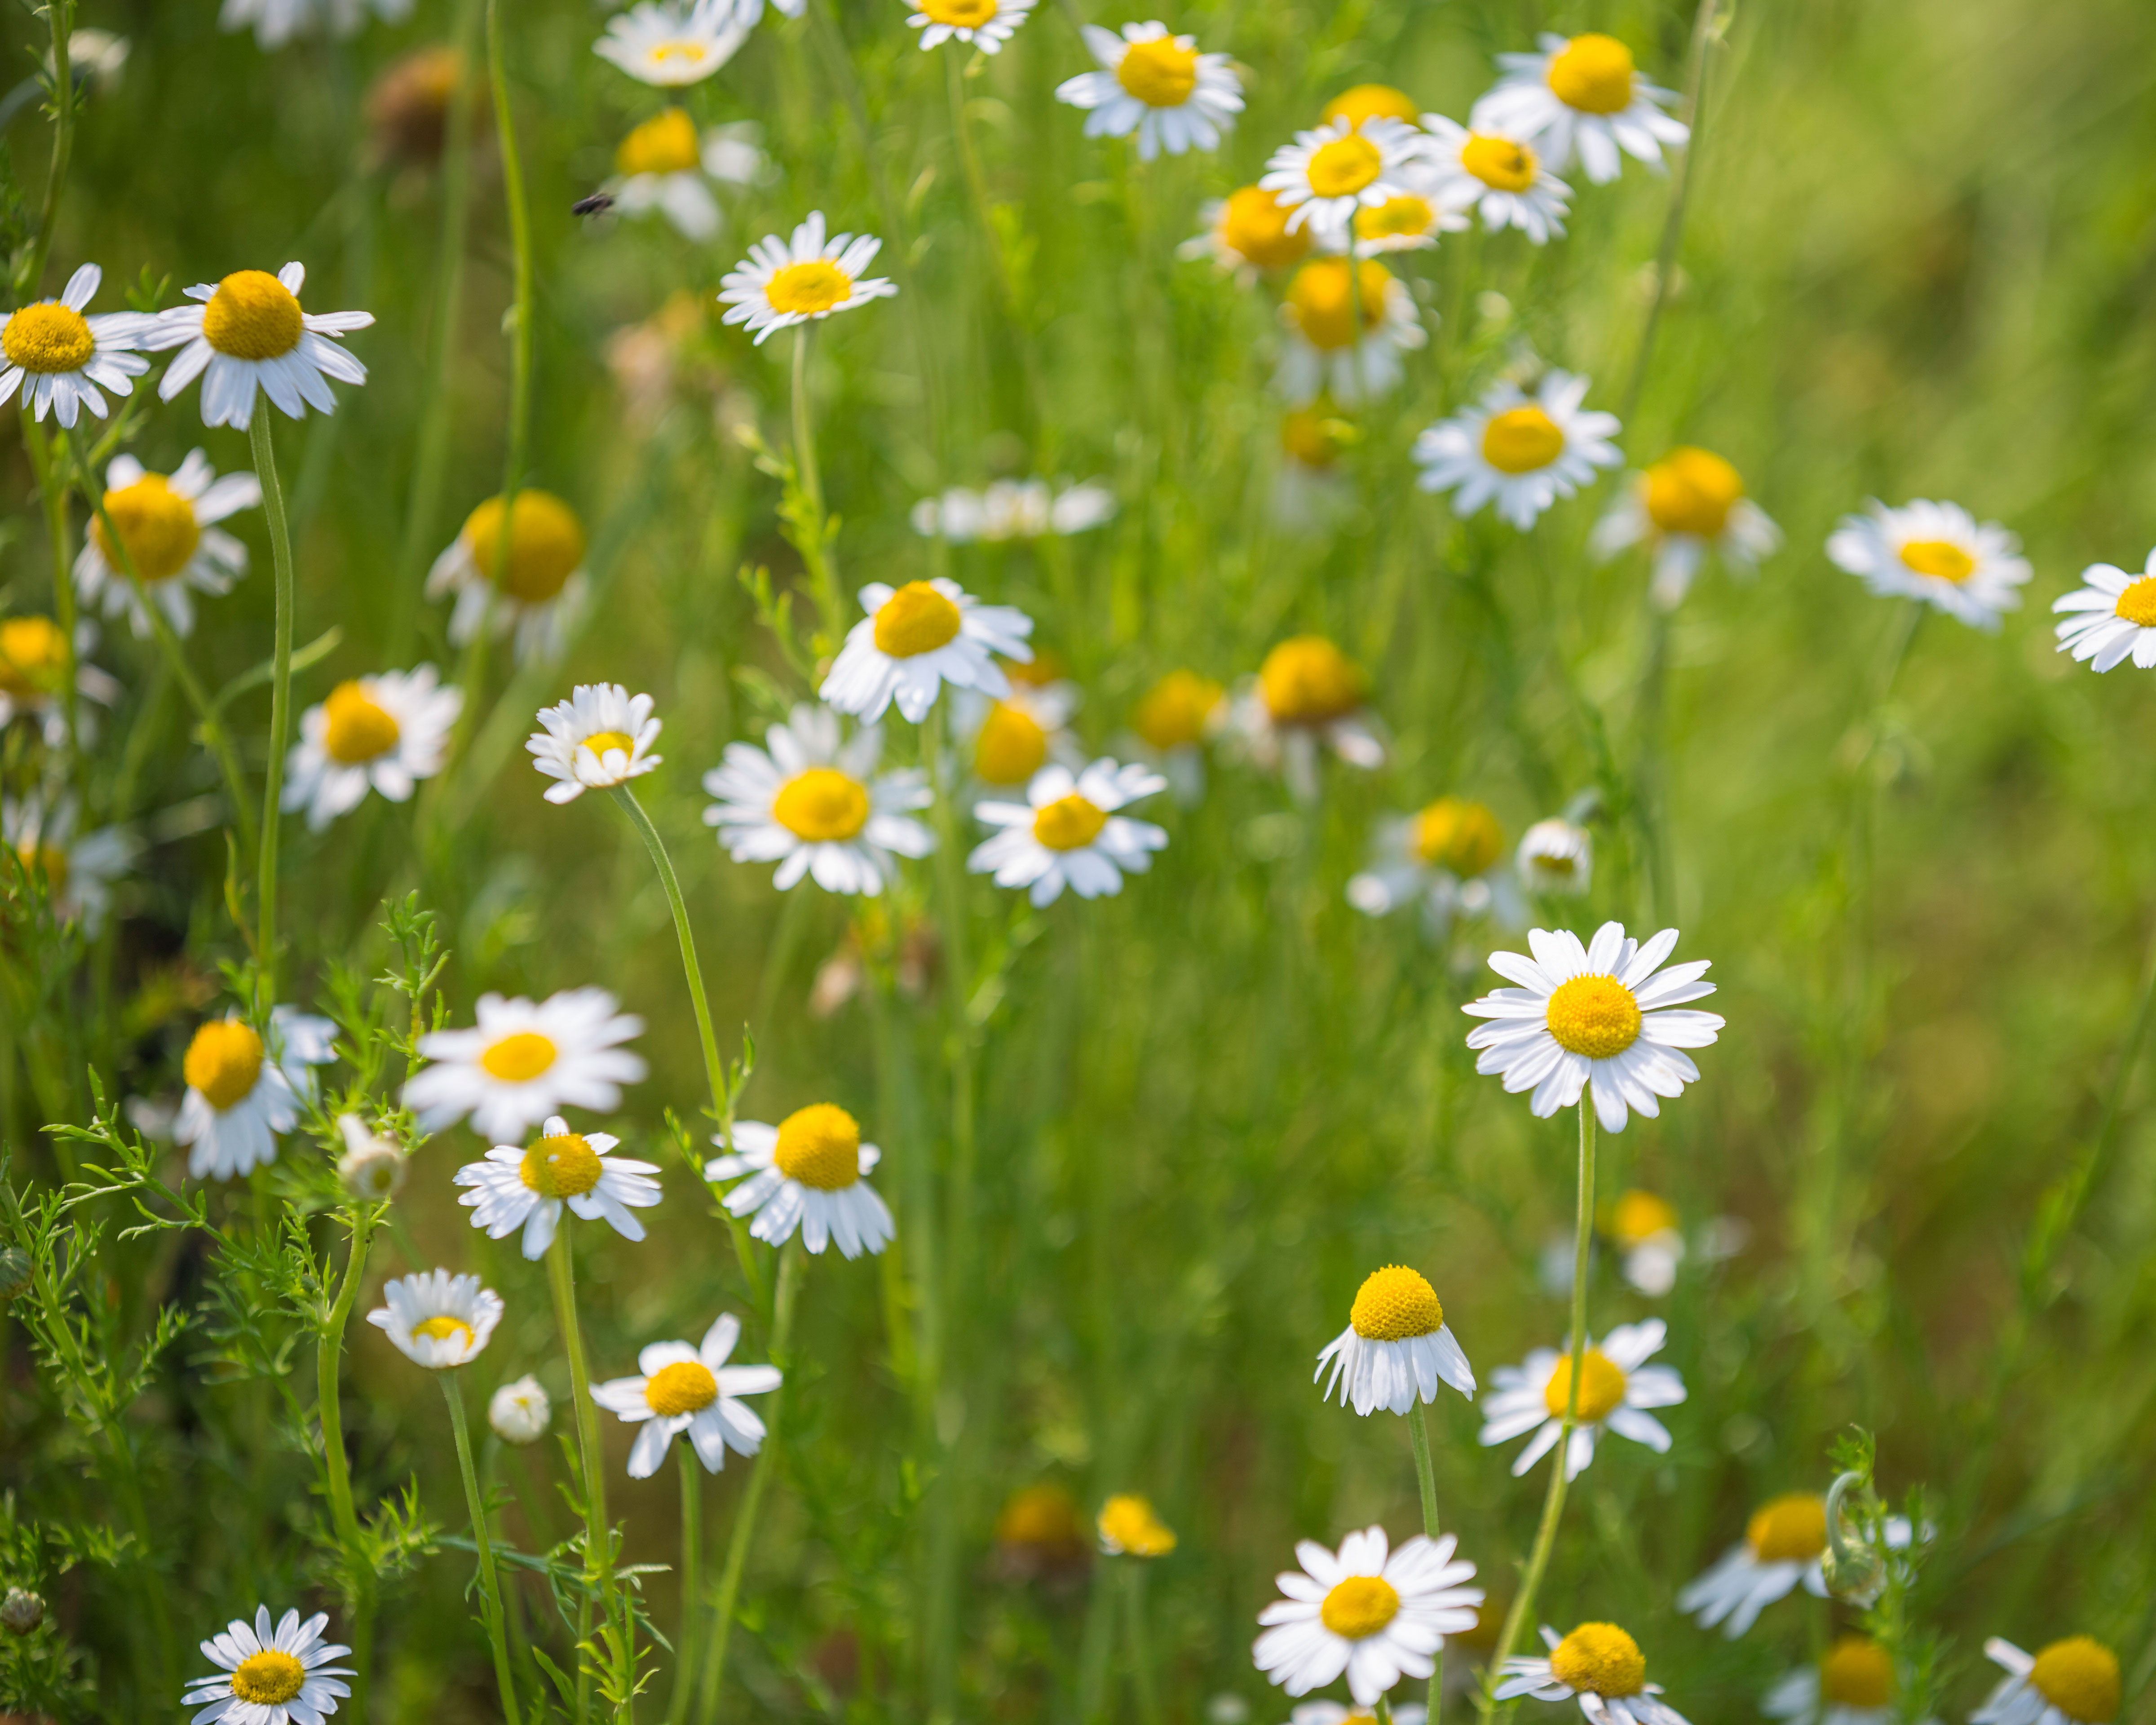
[(21, 1610), (371, 1168), (520, 1412)]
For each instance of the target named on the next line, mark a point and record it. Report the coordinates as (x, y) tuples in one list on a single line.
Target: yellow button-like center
[(1406, 216), (1310, 436), (1394, 1303), (1253, 226), (1128, 1524), (806, 288), (1597, 1016), (822, 805), (1856, 1672), (1521, 440), (545, 545), (1176, 709), (1789, 1529), (1692, 491), (819, 1145), (2137, 604), (1011, 746), (1344, 166), (520, 1058), (442, 1328), (33, 655), (1499, 163), (664, 144), (252, 316), (268, 1678), (1601, 1391), (1460, 836), (1639, 1215), (1307, 680), (1600, 1658), (357, 729), (685, 1387), (1593, 74), (564, 1167), (960, 14), (1359, 1607), (223, 1062), (1372, 101), (1158, 73), (156, 527), (1069, 822), (1326, 301), (689, 52), (602, 743), (916, 619), (2079, 1677), (48, 336), (1938, 557)]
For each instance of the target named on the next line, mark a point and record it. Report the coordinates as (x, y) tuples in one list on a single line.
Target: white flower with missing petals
[(62, 361), (808, 1172), (167, 531), (244, 1090), (2075, 1681), (1688, 505), (1852, 1685), (599, 737), (1616, 1390), (1599, 1666), (1397, 1347), (691, 1390), (1375, 1614), (248, 329), (1067, 832), (438, 1320), (916, 638)]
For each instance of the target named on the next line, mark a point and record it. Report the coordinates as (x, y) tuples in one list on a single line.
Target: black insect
[(597, 204)]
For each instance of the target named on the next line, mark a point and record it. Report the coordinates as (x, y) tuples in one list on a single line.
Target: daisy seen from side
[(1688, 506), (1306, 693), (1599, 1666), (1783, 1545), (1397, 1348), (526, 1188), (245, 1089), (802, 279), (2110, 617), (1495, 173), (1069, 832), (249, 330), (283, 1673), (1583, 96), (62, 361), (1938, 552), (168, 529), (669, 43), (916, 638), (2074, 1681), (1012, 509), (601, 736), (384, 733), (1852, 1684), (1007, 741), (1157, 84), (522, 1062), (1246, 234), (33, 671), (984, 24), (1520, 451), (1616, 1390), (537, 591), (438, 1320), (1129, 1526), (1449, 858), (1557, 858), (1172, 721), (1371, 1613), (808, 1172), (77, 871), (1328, 301), (681, 1388), (1329, 174)]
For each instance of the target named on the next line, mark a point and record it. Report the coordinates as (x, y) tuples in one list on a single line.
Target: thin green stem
[(53, 498), (61, 14), (1426, 1480), (329, 1362), (489, 1584), (692, 1582), (1694, 115), (598, 1541), (813, 532), (280, 695), (1134, 1631), (520, 239)]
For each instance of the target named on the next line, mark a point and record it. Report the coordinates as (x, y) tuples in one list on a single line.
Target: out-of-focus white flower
[(522, 1062), (916, 638), (1014, 508), (1689, 504), (78, 872), (1494, 172), (277, 22), (1556, 857), (1938, 552), (664, 165), (599, 737), (520, 1412), (384, 733), (539, 592), (1523, 451), (371, 1168), (244, 1091), (670, 43), (1068, 832), (1327, 301), (1157, 85), (1583, 96), (1616, 1388), (1448, 857), (1306, 692)]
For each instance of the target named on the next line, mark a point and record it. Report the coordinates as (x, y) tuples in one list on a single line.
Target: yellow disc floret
[(805, 289), (1499, 163), (224, 1061), (1344, 166), (357, 729), (960, 14), (1160, 73), (1069, 822), (32, 656), (1372, 101), (603, 743), (1856, 1672), (1596, 1016), (1593, 74), (1789, 1529), (252, 316), (664, 144), (564, 1166), (685, 1387), (1175, 710), (1692, 491), (441, 1328), (1639, 1215), (268, 1678), (1395, 1303), (823, 805), (916, 619), (1599, 1658), (48, 336), (1601, 1389), (520, 1058), (1460, 836), (156, 527), (1939, 558), (545, 545), (1313, 436), (819, 1145), (1307, 680), (2079, 1677), (1522, 440), (2137, 603), (1325, 302), (1358, 1607), (1011, 746), (1253, 225), (1406, 216), (1129, 1526)]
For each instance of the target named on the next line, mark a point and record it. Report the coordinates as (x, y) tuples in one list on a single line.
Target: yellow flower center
[(960, 14), (1308, 435), (1344, 166), (33, 655), (1325, 301), (819, 1145), (1158, 73), (1857, 1673), (1395, 1303), (691, 52), (1253, 226), (1594, 1015), (1789, 1529), (1593, 74), (1405, 216), (48, 861), (806, 288), (1601, 1390), (565, 1167), (1175, 710), (357, 730), (1127, 1523), (545, 545), (1499, 163), (1692, 491), (822, 805), (1307, 680), (1372, 101), (48, 337), (2137, 604), (601, 743), (916, 619), (1456, 835), (1939, 558), (1359, 1607), (222, 1062), (518, 1059), (442, 1328), (1040, 1516), (1011, 746), (685, 1387), (1069, 822), (1521, 440), (252, 316), (1599, 1657), (268, 1678), (1639, 1215), (156, 527), (666, 143), (2080, 1677)]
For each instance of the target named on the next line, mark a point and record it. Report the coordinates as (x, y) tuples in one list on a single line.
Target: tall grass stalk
[(490, 1582), (280, 695)]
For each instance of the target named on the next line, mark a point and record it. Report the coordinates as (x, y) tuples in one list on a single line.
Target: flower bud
[(21, 1610), (371, 1168), (520, 1412)]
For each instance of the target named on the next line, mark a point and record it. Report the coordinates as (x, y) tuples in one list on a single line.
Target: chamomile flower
[(1173, 720), (2110, 617), (601, 736), (808, 1172), (1783, 1546), (384, 733), (1397, 1347), (1583, 96), (520, 1412), (818, 807), (244, 1090), (1309, 491), (1853, 1685), (1371, 101), (1247, 233), (1643, 1227), (1328, 175), (277, 22), (1338, 1713), (1014, 508), (1410, 220), (692, 1390), (1157, 85), (663, 165), (1307, 692), (670, 43), (984, 24), (522, 1062), (78, 871), (1067, 833), (804, 279), (2069, 1683), (516, 1189), (373, 1167), (1496, 173), (281, 1676), (168, 529), (1449, 858), (916, 638), (1376, 1615), (63, 360), (1326, 301), (438, 1320), (1523, 452), (1938, 552), (33, 667), (1616, 1390), (1687, 506), (1599, 1666), (538, 593), (1130, 1527), (1557, 858), (247, 331), (1010, 739)]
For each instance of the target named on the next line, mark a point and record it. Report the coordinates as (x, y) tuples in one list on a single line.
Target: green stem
[(814, 540), (489, 1584), (598, 1546), (692, 1548), (1426, 1479), (329, 1362), (53, 498), (520, 239), (1665, 263), (280, 695), (61, 14), (1134, 1628)]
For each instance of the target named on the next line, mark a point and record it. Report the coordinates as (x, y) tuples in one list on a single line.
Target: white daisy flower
[(1320, 313), (2110, 617), (1583, 96), (804, 279), (167, 527), (599, 737), (438, 1320), (808, 1172), (1376, 1616), (244, 1092), (538, 595), (915, 640), (2069, 1683), (1410, 220), (1172, 721), (1014, 508), (62, 361), (985, 25), (1306, 692), (1448, 857), (1557, 858), (1246, 233), (385, 732), (1338, 1713), (1643, 1226), (515, 1187), (1853, 1685), (1327, 175), (818, 807), (1157, 85), (277, 22), (691, 1390), (1599, 1666), (1130, 1527), (78, 871), (1938, 552), (1496, 173), (520, 1412), (663, 165), (373, 1167), (1524, 451), (34, 661), (1783, 1546), (1067, 832), (249, 329), (1689, 504), (285, 1676), (1397, 1347), (520, 1063), (1616, 1390), (670, 43), (1010, 739)]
